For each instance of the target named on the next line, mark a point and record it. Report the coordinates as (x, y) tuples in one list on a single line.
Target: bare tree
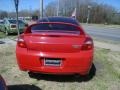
[(3, 14), (51, 9)]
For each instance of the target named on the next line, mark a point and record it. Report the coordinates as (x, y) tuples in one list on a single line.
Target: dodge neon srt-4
[(55, 45)]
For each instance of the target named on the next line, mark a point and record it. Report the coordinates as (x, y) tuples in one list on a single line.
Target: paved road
[(103, 33)]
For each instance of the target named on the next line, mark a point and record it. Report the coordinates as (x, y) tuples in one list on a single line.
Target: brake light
[(88, 44), (21, 43), (13, 26)]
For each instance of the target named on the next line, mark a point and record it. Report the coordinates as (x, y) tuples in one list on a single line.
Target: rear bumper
[(15, 31), (73, 63)]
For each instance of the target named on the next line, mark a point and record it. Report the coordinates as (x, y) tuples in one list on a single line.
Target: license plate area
[(52, 62)]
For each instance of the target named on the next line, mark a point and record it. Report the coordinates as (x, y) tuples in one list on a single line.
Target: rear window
[(14, 21), (60, 19), (54, 27), (1, 22)]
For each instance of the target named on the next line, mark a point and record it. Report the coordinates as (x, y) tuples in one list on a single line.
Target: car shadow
[(12, 34), (65, 78), (1, 42), (23, 87)]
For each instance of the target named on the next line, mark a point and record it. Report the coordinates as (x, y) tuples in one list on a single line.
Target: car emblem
[(76, 46)]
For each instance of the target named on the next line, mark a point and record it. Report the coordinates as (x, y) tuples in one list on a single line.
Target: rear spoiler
[(28, 29)]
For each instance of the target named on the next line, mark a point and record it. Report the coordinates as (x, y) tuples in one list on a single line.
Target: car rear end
[(65, 50), (13, 26)]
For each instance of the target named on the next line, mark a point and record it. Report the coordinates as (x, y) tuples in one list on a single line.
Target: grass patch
[(107, 76), (2, 35), (11, 36)]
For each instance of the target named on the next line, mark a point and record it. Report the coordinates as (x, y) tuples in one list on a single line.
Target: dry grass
[(107, 74), (2, 35)]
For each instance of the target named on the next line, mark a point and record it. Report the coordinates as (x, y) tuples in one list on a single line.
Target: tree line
[(22, 13), (99, 13)]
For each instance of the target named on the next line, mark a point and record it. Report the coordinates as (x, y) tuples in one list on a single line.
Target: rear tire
[(32, 74), (91, 73)]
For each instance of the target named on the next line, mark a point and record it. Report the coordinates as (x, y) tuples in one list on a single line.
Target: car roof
[(59, 19)]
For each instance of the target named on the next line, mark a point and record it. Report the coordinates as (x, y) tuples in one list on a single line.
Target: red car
[(55, 45)]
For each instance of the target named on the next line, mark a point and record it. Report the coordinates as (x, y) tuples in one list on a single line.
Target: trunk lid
[(54, 42)]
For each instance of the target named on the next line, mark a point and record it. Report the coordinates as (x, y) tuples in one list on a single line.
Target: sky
[(114, 3), (8, 5)]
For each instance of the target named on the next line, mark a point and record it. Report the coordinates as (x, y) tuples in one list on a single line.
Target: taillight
[(88, 44), (13, 26), (20, 42)]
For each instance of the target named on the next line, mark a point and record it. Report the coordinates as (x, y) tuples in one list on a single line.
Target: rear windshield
[(14, 21), (1, 22), (54, 27)]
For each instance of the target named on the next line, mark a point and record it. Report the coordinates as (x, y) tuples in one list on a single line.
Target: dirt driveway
[(107, 73)]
